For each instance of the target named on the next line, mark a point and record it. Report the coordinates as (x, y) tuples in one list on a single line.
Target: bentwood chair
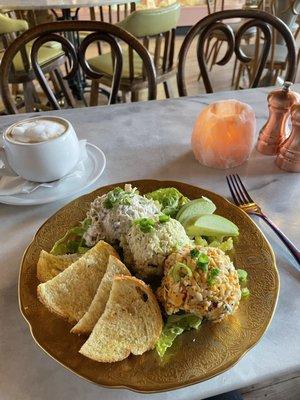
[(50, 57), (287, 11), (217, 37), (52, 32), (155, 28), (111, 13), (261, 20)]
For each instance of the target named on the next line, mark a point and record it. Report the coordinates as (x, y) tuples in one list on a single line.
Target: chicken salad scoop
[(112, 214), (149, 241)]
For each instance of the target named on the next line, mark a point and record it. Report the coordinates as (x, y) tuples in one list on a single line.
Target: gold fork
[(244, 201)]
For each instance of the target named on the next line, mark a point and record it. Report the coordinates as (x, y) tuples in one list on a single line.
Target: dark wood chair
[(217, 38), (111, 13), (51, 57), (262, 21), (52, 32), (287, 11), (155, 28)]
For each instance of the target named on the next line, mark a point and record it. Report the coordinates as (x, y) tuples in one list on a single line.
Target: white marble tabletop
[(49, 4), (152, 140)]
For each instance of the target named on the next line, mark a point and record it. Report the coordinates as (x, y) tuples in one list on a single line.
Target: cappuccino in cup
[(38, 130), (40, 149)]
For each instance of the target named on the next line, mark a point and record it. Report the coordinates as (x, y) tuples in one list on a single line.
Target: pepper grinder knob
[(287, 85)]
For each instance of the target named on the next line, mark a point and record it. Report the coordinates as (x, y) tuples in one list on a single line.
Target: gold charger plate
[(197, 355)]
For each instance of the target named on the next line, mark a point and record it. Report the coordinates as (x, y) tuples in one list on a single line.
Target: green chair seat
[(46, 54), (50, 51), (151, 22), (9, 25), (103, 63)]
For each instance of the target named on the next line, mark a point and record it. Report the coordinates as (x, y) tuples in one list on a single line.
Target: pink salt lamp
[(224, 134)]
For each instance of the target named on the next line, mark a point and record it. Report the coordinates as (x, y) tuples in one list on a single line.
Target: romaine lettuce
[(170, 199), (225, 244), (175, 326), (72, 242)]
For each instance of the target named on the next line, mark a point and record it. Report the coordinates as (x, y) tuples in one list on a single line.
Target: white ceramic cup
[(42, 161)]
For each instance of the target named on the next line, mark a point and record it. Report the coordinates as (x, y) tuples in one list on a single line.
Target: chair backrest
[(261, 20), (158, 24), (9, 25), (52, 32), (288, 11), (10, 28), (111, 13), (215, 5)]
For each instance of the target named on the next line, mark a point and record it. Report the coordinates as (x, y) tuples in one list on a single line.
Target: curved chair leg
[(65, 88), (55, 83), (134, 96), (168, 89), (124, 98), (238, 78), (216, 53), (15, 89), (208, 53), (94, 93), (31, 98), (234, 71), (298, 61)]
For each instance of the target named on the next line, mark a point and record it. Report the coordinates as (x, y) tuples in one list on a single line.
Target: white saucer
[(94, 165)]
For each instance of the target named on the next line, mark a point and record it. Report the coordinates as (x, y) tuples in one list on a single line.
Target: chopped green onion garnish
[(117, 196), (164, 218), (242, 275), (245, 293), (202, 262), (178, 269), (146, 224), (212, 274), (194, 253), (203, 258), (203, 267)]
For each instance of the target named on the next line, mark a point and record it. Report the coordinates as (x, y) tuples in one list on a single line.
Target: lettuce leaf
[(170, 199), (225, 244), (175, 326), (72, 242)]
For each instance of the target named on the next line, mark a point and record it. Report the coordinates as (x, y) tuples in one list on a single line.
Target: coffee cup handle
[(4, 166)]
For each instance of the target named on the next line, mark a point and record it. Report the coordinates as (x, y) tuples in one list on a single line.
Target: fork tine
[(240, 190), (245, 190), (236, 190), (231, 188)]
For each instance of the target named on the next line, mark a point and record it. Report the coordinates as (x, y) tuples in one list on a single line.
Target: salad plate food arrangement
[(148, 285)]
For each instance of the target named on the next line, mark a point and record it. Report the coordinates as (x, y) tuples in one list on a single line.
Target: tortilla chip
[(49, 265)]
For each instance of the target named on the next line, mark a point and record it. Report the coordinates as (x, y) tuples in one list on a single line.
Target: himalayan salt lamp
[(224, 134)]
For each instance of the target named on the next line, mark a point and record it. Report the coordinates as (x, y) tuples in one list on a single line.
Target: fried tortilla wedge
[(50, 265), (96, 309), (70, 293), (131, 322)]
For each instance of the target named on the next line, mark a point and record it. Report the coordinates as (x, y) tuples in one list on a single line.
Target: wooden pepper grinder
[(273, 133), (289, 152)]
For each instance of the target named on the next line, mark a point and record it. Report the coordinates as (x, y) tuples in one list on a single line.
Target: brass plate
[(196, 355)]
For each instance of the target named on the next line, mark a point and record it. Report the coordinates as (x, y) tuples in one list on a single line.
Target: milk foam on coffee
[(39, 130)]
